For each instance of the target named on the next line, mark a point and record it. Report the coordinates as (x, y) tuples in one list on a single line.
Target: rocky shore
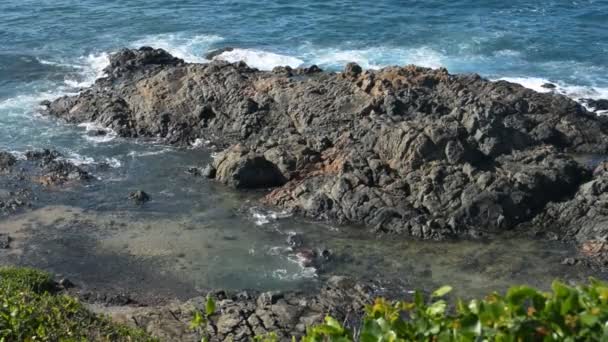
[(22, 177), (403, 150), (244, 315)]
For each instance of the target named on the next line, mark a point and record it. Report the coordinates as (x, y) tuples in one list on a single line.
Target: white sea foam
[(575, 92), (19, 104), (136, 154), (305, 273), (200, 142), (108, 135), (92, 67), (263, 60), (263, 216), (190, 48), (376, 57), (80, 160)]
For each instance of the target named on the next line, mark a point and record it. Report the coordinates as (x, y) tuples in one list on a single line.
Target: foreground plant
[(524, 314), (30, 312)]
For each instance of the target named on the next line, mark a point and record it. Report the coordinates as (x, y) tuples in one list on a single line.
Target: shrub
[(524, 314), (29, 312)]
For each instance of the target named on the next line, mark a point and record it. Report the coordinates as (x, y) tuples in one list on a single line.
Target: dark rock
[(569, 261), (66, 283), (295, 240), (405, 150), (242, 169), (195, 171), (549, 86), (352, 70), (97, 133), (211, 55), (7, 160), (268, 298), (139, 197), (209, 171), (5, 241), (597, 105), (45, 155)]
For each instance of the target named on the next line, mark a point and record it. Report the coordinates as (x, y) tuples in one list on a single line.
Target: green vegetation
[(30, 312), (523, 314)]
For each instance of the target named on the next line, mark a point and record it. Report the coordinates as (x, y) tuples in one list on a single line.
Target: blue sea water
[(50, 48)]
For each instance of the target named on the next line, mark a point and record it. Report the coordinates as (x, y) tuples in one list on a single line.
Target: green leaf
[(210, 306), (437, 308), (442, 291)]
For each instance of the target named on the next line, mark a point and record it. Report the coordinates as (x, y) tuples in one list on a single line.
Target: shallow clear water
[(203, 235)]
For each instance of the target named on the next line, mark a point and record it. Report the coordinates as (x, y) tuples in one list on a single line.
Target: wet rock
[(65, 283), (139, 197), (7, 160), (597, 105), (5, 241), (45, 155), (211, 55), (195, 171), (209, 171), (60, 171), (295, 240), (548, 86), (20, 176), (406, 150)]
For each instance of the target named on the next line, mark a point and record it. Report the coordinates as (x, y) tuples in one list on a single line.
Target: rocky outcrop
[(596, 105), (403, 149), (242, 316), (583, 218), (20, 178)]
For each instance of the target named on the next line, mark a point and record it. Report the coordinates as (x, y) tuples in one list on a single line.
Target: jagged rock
[(240, 318), (7, 160), (597, 105), (65, 283), (211, 55), (20, 177), (241, 168), (403, 149), (549, 85), (5, 241), (209, 171), (139, 197)]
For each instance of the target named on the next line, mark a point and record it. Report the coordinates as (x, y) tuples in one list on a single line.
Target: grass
[(31, 311)]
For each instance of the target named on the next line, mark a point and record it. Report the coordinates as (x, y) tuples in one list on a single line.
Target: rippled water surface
[(196, 234)]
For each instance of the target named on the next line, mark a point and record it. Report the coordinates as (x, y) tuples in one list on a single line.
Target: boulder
[(139, 197)]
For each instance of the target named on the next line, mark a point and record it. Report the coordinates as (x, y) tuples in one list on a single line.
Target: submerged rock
[(5, 241), (209, 171), (20, 178), (139, 197), (406, 150)]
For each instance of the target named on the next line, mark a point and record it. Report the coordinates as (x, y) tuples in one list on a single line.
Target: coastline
[(333, 163)]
